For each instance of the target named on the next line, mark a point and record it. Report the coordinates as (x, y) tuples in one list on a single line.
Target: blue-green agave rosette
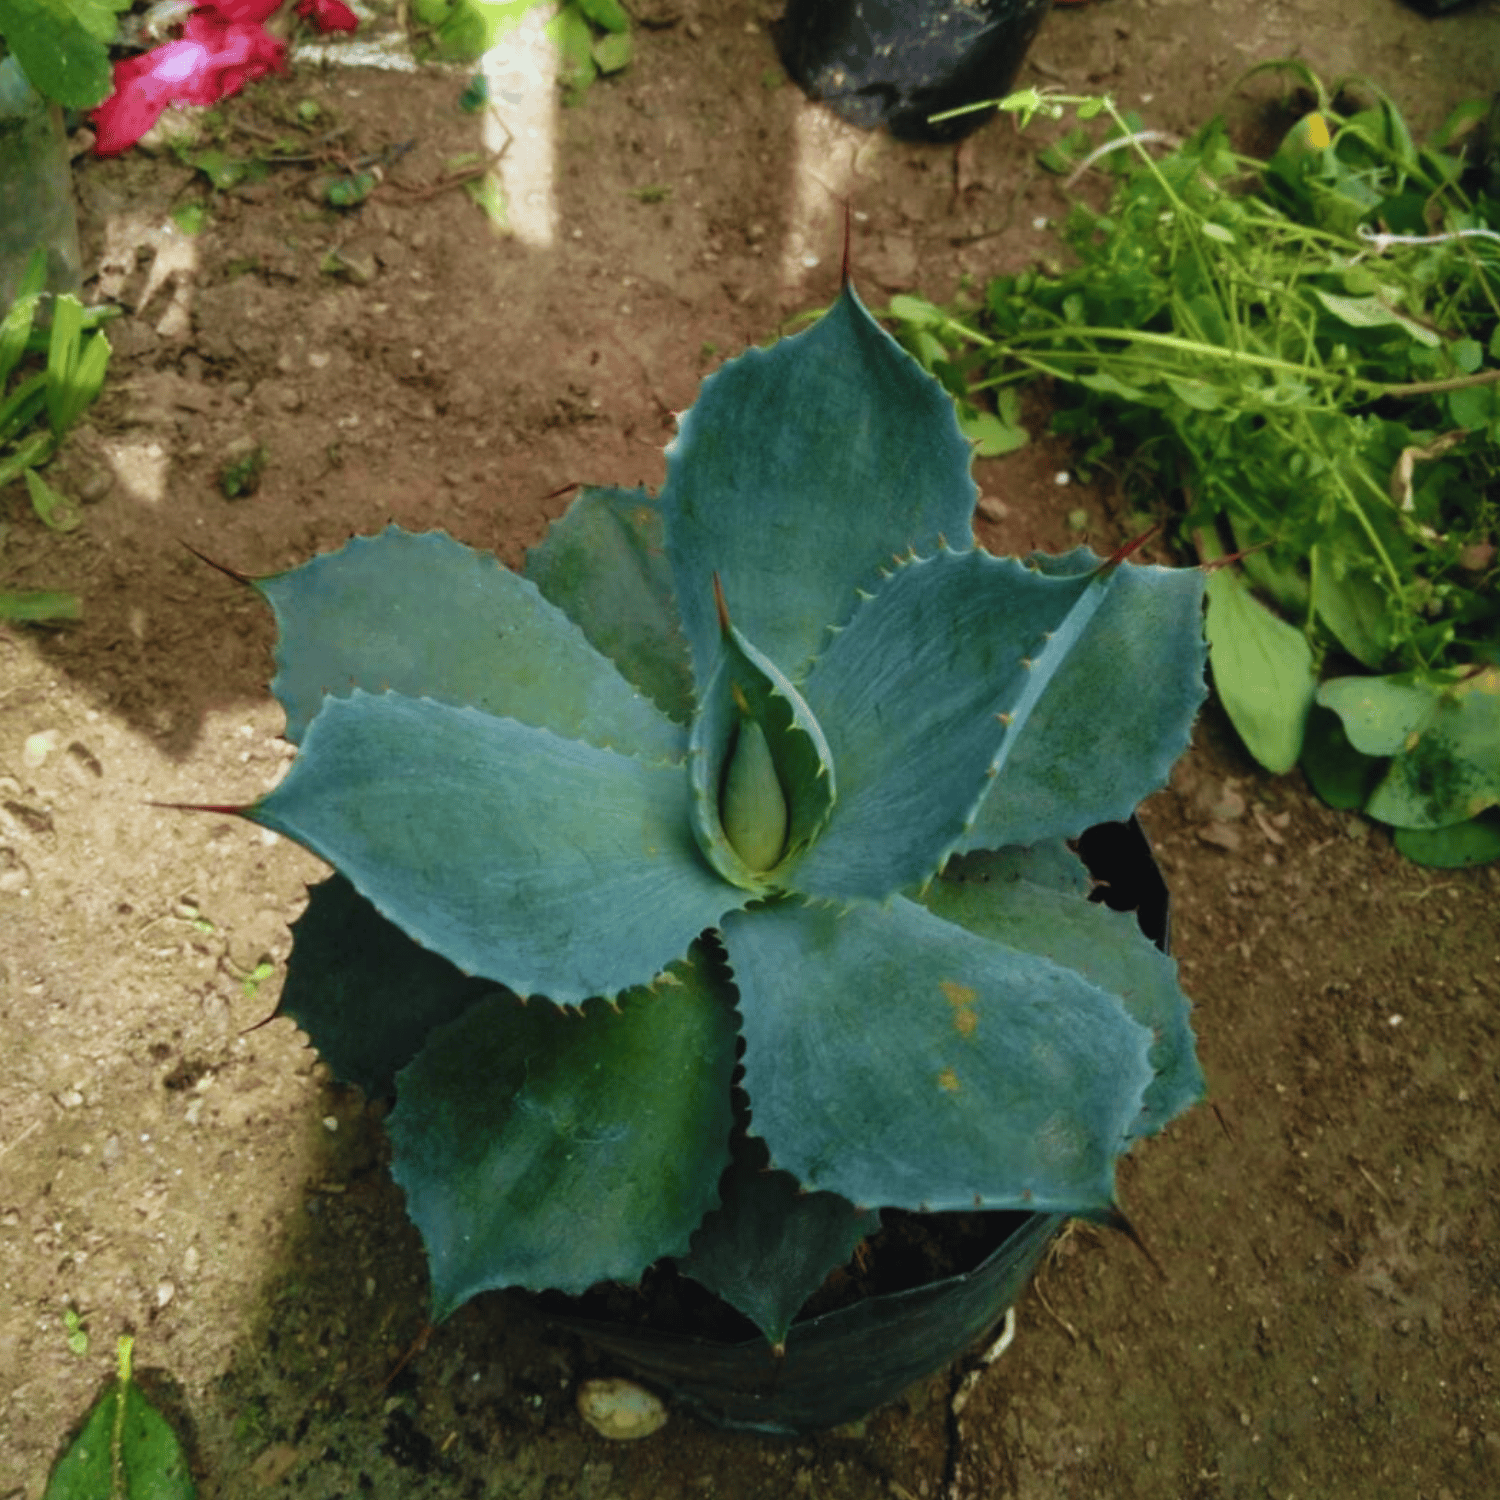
[(699, 776)]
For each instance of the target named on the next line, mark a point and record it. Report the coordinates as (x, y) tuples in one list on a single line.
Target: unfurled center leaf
[(761, 771)]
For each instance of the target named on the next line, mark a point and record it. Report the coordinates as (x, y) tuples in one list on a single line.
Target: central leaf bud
[(760, 771), (752, 804)]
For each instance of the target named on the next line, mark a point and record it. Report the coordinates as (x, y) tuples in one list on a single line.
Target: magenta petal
[(328, 15), (252, 12), (140, 96)]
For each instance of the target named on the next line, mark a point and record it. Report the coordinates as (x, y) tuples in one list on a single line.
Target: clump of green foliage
[(48, 379), (1300, 357), (592, 36)]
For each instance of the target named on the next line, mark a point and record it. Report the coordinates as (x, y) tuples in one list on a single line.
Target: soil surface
[(1328, 1319)]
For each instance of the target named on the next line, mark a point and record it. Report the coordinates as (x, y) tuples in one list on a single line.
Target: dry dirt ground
[(1330, 1316)]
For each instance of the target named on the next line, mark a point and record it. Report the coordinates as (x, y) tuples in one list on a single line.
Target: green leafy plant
[(48, 379), (777, 759), (1301, 356), (126, 1449), (592, 36)]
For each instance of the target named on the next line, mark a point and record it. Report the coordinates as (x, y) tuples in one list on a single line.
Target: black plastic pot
[(896, 62), (844, 1364)]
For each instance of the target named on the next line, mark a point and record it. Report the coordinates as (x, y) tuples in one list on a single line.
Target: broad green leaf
[(1111, 385), (1351, 604), (364, 992), (543, 1149), (990, 435), (499, 845), (469, 28), (797, 475), (613, 52), (54, 48), (423, 615), (771, 1245), (1472, 407), (53, 508), (922, 696), (1339, 774), (1198, 394), (39, 604), (1263, 671), (1370, 312), (1105, 947), (1119, 712), (1448, 769), (1457, 847), (916, 310), (609, 15), (570, 34), (1380, 714), (98, 17), (900, 1060), (126, 1450), (603, 563), (747, 685)]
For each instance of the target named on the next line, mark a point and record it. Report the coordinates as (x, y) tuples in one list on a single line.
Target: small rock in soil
[(1222, 836), (620, 1409)]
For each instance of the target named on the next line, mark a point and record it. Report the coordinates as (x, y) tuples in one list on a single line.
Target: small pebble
[(165, 1291), (620, 1409), (38, 747)]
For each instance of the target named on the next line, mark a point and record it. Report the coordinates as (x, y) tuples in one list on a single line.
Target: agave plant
[(776, 762)]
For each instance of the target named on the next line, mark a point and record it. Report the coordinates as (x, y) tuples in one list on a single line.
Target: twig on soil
[(1161, 137), (418, 1344), (1047, 1307), (464, 174), (1363, 1173), (31, 1129)]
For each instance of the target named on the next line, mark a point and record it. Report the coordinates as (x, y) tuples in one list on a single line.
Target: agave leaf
[(1117, 715), (1108, 949), (547, 1150), (898, 1059), (604, 564), (923, 696), (746, 684), (771, 1246), (501, 846), (364, 992), (426, 616), (798, 472), (1051, 865)]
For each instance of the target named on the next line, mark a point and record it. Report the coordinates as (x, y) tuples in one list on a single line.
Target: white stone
[(620, 1409)]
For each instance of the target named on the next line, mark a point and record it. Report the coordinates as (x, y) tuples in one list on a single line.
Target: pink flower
[(328, 15), (252, 11), (222, 48), (213, 59)]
